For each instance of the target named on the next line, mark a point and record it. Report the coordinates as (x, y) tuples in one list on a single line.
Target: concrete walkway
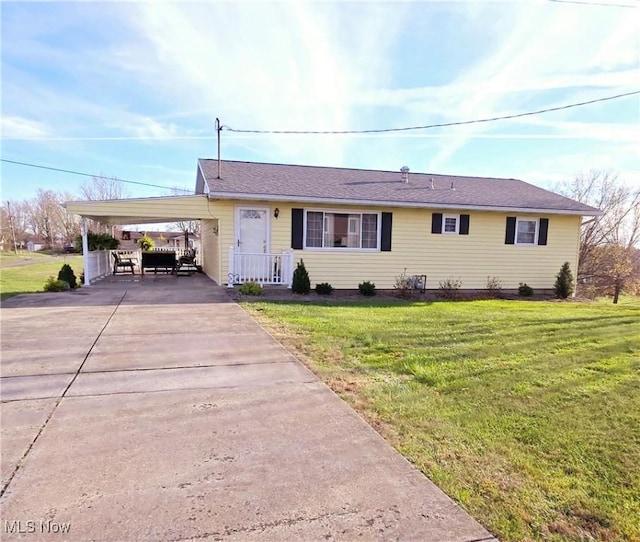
[(157, 409)]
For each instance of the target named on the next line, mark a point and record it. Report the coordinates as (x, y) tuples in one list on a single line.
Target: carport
[(144, 211)]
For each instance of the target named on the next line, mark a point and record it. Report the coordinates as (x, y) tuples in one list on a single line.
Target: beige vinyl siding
[(470, 258), (210, 249), (225, 211)]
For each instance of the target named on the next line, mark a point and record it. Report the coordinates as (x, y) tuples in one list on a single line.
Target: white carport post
[(85, 253)]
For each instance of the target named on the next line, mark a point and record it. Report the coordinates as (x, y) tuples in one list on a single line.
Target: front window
[(342, 230), (526, 232)]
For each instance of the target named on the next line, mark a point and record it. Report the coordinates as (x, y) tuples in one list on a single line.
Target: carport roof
[(143, 210)]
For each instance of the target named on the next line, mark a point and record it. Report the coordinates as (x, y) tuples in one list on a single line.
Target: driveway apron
[(158, 409)]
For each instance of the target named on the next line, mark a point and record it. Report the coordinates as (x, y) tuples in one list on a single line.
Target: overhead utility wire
[(593, 4), (27, 164), (427, 126)]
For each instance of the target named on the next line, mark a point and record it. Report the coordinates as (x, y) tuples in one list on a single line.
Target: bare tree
[(191, 226), (69, 224), (40, 211), (607, 242), (46, 217), (6, 227), (614, 269), (103, 188), (14, 215)]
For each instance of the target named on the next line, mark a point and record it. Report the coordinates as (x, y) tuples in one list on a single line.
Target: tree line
[(44, 218), (609, 258)]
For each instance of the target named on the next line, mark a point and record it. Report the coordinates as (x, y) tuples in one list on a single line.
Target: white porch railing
[(97, 264), (272, 269), (179, 252)]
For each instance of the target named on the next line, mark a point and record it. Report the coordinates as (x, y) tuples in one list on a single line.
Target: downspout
[(85, 252), (577, 259)]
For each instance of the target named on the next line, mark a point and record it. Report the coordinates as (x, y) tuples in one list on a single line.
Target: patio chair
[(187, 263), (122, 263)]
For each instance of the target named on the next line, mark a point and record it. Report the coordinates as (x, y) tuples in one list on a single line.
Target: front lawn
[(26, 274), (526, 413)]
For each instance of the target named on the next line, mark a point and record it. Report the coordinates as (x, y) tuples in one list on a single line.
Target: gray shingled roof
[(283, 182)]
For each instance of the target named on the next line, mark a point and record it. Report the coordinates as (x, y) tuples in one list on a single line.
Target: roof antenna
[(432, 185), (405, 174), (218, 129)]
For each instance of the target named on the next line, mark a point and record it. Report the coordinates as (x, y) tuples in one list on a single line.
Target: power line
[(593, 4), (27, 164), (428, 126), (110, 138)]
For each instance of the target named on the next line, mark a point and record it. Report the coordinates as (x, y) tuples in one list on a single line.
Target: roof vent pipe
[(405, 174), (452, 187), (432, 185)]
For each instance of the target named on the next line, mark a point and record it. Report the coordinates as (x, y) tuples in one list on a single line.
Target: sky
[(132, 89)]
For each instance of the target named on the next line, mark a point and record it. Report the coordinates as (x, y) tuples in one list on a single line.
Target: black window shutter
[(385, 237), (510, 235), (436, 223), (297, 228), (543, 231), (464, 225)]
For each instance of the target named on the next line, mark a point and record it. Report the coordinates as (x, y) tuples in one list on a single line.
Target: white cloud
[(286, 66), (539, 53), (15, 127), (147, 128), (165, 70), (590, 131)]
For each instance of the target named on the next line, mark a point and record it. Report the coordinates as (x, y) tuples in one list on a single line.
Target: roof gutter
[(403, 204)]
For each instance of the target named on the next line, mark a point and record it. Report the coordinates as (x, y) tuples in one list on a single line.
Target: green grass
[(526, 413), (31, 274)]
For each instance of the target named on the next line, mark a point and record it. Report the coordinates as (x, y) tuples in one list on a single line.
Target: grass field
[(27, 273), (526, 413)]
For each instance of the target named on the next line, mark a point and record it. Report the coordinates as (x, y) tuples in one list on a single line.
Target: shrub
[(67, 274), (56, 285), (404, 284), (525, 290), (367, 288), (494, 284), (449, 288), (97, 241), (564, 282), (324, 288), (146, 243), (301, 283), (251, 288)]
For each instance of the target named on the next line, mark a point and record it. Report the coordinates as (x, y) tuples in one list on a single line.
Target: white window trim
[(343, 212), (444, 219), (535, 237)]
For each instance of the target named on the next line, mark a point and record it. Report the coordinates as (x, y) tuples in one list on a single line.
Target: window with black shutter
[(526, 231), (449, 224)]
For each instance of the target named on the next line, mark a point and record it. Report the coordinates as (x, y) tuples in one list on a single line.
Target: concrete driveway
[(157, 409)]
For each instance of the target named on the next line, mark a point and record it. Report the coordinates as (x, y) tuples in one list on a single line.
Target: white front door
[(252, 243)]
